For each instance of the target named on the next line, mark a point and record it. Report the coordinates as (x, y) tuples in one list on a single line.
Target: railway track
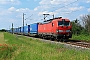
[(74, 43), (79, 43), (70, 43)]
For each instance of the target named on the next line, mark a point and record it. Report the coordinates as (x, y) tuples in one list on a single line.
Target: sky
[(11, 11)]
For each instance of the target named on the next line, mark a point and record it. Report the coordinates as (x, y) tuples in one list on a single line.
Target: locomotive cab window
[(67, 23), (63, 23), (60, 23)]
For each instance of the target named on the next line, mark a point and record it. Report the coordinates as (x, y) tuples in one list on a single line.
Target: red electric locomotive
[(57, 28)]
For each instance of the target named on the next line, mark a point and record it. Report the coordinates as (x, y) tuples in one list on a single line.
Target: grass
[(5, 49), (81, 37), (29, 49), (2, 41), (6, 52)]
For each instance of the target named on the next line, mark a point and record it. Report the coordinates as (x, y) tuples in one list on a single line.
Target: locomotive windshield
[(63, 23)]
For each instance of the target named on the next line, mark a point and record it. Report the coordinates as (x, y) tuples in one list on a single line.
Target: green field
[(81, 37), (23, 48)]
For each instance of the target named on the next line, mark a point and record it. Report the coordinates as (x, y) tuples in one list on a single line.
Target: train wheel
[(58, 40), (52, 38), (42, 36), (67, 39), (63, 40)]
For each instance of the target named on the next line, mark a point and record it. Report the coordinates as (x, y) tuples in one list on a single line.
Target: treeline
[(81, 26), (2, 30)]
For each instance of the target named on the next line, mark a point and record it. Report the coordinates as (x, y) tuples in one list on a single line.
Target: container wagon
[(33, 29)]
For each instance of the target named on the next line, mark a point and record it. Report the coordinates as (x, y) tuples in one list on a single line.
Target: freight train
[(57, 28)]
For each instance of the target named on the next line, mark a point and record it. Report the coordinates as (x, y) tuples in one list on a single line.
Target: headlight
[(60, 30), (68, 31)]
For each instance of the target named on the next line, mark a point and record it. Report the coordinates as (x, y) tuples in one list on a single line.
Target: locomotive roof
[(50, 20), (56, 18)]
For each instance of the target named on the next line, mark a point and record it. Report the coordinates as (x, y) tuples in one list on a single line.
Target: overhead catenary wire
[(29, 17), (65, 5)]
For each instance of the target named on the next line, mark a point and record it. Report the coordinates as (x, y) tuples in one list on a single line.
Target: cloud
[(88, 9), (88, 1), (42, 8), (61, 2), (14, 15), (81, 15), (7, 12), (76, 8), (11, 9), (9, 2), (22, 10), (56, 2), (35, 9), (46, 12), (54, 5), (44, 2), (64, 8)]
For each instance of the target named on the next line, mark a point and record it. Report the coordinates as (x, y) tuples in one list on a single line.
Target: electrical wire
[(67, 4)]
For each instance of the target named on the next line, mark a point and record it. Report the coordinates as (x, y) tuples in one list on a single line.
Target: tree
[(76, 27), (3, 30), (86, 22)]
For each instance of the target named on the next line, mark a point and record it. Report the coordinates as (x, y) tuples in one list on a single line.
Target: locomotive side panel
[(45, 28), (54, 27)]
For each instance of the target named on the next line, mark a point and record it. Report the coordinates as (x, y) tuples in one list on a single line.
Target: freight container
[(21, 30), (18, 30), (26, 30), (15, 30), (34, 29), (10, 30)]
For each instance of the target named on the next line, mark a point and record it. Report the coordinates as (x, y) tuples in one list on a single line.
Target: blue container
[(10, 30), (21, 29), (34, 28), (17, 30), (14, 30), (25, 29)]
